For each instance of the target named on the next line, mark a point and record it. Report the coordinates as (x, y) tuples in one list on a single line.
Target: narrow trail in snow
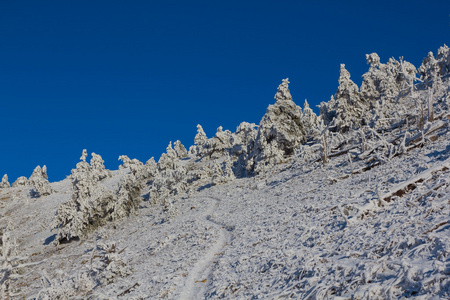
[(198, 278)]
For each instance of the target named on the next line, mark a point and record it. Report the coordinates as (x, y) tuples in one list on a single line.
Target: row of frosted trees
[(388, 93)]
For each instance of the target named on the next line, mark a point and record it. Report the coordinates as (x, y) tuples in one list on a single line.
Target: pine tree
[(180, 149), (443, 58), (280, 130), (430, 72), (92, 204), (21, 181), (39, 181), (4, 184), (312, 123), (349, 105)]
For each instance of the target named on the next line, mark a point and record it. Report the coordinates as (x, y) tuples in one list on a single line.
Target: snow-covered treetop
[(347, 88), (84, 155), (201, 137), (283, 92), (373, 59), (443, 57), (4, 183)]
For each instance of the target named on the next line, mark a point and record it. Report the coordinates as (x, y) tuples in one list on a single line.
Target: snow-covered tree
[(180, 149), (92, 204), (370, 87), (169, 159), (168, 182), (201, 137), (222, 172), (151, 167), (430, 72), (386, 80), (84, 155), (98, 167), (349, 105), (219, 143), (137, 168), (443, 58), (312, 123), (243, 140), (21, 181), (406, 76), (328, 110), (39, 181), (11, 265), (280, 130), (4, 184)]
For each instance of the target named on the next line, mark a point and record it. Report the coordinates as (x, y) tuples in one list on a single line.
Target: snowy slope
[(293, 232), (371, 223)]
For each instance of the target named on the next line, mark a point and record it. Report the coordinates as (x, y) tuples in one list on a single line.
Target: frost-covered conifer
[(406, 76), (39, 181), (98, 168), (312, 123), (430, 72), (349, 105), (201, 137), (328, 110), (151, 167), (386, 80), (219, 143), (84, 155), (280, 130), (372, 78), (4, 184), (443, 58), (243, 139), (127, 199), (168, 182), (21, 181), (92, 205), (169, 159), (222, 172), (126, 161), (137, 168), (180, 149)]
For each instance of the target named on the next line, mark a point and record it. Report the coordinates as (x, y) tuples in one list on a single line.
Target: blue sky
[(127, 77)]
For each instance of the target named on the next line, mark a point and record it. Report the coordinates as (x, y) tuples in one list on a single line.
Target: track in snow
[(198, 278)]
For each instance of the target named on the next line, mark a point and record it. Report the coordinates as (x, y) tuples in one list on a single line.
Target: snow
[(372, 222)]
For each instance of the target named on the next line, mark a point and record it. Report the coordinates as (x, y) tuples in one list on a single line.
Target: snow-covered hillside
[(351, 204)]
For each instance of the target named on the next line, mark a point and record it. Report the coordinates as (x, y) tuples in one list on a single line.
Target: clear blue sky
[(127, 77)]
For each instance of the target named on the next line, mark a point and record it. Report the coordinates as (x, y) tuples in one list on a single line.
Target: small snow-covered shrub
[(21, 181), (223, 172), (108, 265), (137, 168), (39, 182), (11, 264), (4, 184), (168, 183)]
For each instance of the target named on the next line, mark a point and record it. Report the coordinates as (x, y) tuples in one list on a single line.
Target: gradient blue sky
[(127, 77)]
